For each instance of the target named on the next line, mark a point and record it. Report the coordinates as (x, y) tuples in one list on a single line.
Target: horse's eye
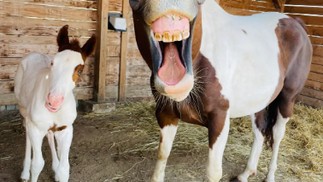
[(135, 4), (79, 72)]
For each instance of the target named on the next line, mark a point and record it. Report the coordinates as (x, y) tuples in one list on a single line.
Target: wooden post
[(101, 51), (123, 54)]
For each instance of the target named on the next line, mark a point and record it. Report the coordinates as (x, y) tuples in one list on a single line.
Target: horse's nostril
[(49, 104)]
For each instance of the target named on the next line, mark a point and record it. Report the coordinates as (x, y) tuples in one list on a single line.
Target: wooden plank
[(315, 30), (314, 85), (310, 101), (318, 51), (304, 10), (18, 22), (316, 77), (316, 68), (309, 20), (72, 3), (47, 12), (31, 30), (8, 99), (312, 93), (123, 58), (317, 60), (101, 51), (305, 2)]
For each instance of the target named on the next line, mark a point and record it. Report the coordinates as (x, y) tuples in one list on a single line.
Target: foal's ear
[(88, 47), (62, 37)]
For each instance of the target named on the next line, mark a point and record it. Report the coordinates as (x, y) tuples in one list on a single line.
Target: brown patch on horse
[(205, 105), (142, 37), (55, 128), (294, 58), (294, 63), (197, 36)]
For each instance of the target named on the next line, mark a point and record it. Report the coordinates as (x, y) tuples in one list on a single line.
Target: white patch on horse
[(214, 166), (278, 134), (167, 135), (241, 60), (251, 168)]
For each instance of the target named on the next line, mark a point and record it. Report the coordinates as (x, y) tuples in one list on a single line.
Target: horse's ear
[(88, 47), (62, 37)]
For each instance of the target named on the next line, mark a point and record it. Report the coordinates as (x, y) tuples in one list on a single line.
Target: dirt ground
[(122, 146)]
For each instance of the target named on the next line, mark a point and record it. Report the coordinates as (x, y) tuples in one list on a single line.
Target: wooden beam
[(123, 55), (101, 51)]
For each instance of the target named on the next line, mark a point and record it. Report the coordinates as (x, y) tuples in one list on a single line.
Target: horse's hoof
[(24, 180), (235, 179)]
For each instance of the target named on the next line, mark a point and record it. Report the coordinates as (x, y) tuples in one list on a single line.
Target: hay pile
[(301, 151)]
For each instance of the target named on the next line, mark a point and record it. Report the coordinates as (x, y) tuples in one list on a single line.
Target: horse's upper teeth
[(177, 36), (167, 37), (171, 36)]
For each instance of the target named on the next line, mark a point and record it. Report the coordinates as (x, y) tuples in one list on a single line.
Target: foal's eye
[(79, 72)]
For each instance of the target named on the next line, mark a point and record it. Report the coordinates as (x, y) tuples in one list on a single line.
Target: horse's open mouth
[(172, 55), (170, 34)]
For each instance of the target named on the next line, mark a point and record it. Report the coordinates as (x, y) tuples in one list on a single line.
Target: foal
[(44, 89), (209, 66)]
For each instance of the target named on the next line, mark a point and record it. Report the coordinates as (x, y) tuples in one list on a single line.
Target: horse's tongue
[(172, 70)]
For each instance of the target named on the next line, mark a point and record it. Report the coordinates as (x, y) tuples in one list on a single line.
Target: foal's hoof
[(24, 180), (235, 179)]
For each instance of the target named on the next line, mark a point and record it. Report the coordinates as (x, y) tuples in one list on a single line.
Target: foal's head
[(66, 68), (168, 34)]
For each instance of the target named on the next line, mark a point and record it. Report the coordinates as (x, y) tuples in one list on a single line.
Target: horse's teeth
[(177, 36), (185, 34), (171, 37), (167, 37), (158, 37)]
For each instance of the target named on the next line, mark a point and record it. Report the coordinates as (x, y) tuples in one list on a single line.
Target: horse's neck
[(214, 12)]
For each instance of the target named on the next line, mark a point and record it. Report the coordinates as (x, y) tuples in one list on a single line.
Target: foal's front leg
[(27, 161), (218, 128), (64, 141), (168, 131)]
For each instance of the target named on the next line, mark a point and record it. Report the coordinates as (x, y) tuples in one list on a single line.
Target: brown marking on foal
[(54, 128), (77, 72)]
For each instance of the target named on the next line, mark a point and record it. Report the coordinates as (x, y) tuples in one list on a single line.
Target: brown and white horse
[(209, 66), (44, 90)]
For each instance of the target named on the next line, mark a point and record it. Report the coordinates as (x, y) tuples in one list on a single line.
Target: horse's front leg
[(218, 127), (168, 124)]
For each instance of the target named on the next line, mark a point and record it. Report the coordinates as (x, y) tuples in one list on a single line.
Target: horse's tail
[(270, 119)]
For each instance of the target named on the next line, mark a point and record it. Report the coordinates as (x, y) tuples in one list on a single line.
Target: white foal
[(44, 90)]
